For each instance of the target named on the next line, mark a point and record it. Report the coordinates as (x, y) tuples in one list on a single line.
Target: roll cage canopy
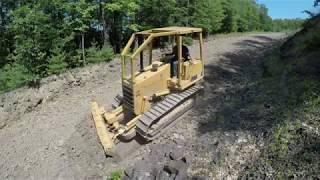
[(168, 31), (144, 42)]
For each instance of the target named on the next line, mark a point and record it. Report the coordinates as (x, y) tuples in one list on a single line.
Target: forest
[(256, 114), (45, 37)]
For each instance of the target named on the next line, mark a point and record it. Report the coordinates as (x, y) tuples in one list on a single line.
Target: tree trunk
[(117, 31), (106, 38), (83, 51)]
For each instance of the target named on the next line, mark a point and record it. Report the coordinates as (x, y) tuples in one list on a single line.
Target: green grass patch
[(116, 175)]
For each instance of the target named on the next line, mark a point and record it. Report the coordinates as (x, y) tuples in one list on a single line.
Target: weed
[(116, 175)]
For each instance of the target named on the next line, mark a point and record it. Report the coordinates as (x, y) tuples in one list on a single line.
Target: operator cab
[(145, 57)]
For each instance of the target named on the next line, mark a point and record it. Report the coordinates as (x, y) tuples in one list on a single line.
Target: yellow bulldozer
[(155, 92)]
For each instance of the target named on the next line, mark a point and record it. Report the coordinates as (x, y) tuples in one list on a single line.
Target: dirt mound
[(24, 100)]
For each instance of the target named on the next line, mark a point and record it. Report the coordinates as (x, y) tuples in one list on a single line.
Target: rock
[(177, 170), (36, 101), (4, 116), (242, 140), (69, 77), (60, 143), (175, 135), (84, 76), (176, 155), (220, 90)]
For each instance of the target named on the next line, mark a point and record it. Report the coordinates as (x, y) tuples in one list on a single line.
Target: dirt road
[(47, 132)]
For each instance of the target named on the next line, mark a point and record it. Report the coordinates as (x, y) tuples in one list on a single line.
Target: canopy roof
[(171, 31)]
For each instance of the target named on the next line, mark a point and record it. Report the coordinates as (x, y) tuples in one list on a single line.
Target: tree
[(34, 35), (12, 76), (217, 15), (286, 24), (80, 18), (57, 61), (122, 19), (265, 20), (201, 17), (243, 11), (104, 23), (6, 37), (156, 13), (230, 17)]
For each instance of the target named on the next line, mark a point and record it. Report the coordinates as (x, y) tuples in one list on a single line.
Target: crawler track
[(164, 113)]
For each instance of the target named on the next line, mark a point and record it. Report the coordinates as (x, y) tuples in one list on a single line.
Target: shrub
[(13, 76), (57, 63), (115, 175), (96, 55), (313, 42)]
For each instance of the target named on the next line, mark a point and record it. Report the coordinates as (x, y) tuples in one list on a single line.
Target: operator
[(173, 60)]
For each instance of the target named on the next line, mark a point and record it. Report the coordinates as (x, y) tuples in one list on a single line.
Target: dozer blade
[(104, 135), (119, 142)]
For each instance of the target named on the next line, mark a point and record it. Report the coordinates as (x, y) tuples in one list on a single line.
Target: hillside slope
[(293, 147)]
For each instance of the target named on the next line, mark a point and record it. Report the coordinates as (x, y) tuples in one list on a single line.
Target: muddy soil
[(46, 133)]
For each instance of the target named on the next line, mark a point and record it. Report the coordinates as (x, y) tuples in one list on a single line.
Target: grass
[(233, 34), (293, 147), (116, 175)]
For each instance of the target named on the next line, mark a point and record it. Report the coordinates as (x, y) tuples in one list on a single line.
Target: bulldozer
[(156, 91)]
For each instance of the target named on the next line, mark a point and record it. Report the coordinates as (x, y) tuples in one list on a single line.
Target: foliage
[(217, 15), (32, 40), (292, 146), (57, 62), (48, 37), (12, 76), (116, 175), (96, 55), (313, 42), (201, 17), (122, 16), (230, 17), (286, 24), (5, 45), (81, 15), (187, 41), (156, 13)]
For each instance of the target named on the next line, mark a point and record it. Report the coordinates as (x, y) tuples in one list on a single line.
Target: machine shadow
[(233, 101)]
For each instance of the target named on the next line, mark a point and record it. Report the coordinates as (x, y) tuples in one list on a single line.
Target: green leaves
[(124, 6), (80, 15), (33, 39), (286, 24), (14, 75), (96, 55), (158, 13), (57, 61)]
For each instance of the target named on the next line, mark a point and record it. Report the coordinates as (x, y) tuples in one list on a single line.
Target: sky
[(287, 8)]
